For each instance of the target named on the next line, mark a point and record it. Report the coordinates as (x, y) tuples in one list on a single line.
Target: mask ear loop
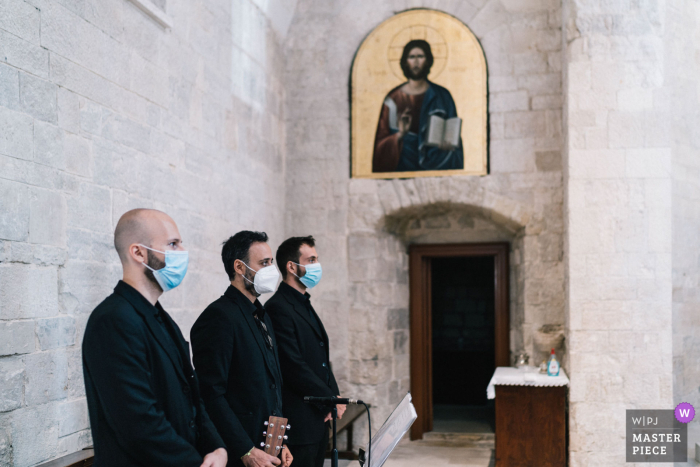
[(298, 266), (243, 275), (145, 263)]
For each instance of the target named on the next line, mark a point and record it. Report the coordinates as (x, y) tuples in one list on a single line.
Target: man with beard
[(400, 142), (235, 352), (304, 350), (142, 393)]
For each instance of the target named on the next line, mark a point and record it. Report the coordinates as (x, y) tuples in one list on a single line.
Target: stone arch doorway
[(422, 262)]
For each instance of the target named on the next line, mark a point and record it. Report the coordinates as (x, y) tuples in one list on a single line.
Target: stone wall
[(101, 111), (618, 216), (365, 290), (683, 73)]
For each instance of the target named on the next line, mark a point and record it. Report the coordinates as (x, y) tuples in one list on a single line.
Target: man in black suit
[(303, 349), (235, 352), (142, 393)]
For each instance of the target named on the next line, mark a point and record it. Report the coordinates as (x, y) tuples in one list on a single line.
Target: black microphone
[(331, 400)]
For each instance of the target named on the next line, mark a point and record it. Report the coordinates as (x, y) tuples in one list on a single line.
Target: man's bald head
[(139, 226)]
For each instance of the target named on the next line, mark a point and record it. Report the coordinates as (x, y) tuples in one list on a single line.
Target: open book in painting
[(444, 133)]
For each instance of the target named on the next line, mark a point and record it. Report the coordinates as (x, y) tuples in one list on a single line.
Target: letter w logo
[(685, 413)]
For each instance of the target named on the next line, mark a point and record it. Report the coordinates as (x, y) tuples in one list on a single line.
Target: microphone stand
[(334, 401), (334, 453)]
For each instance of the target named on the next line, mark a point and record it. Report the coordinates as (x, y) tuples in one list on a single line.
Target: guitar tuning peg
[(277, 448), (262, 445), (264, 433), (279, 437), (285, 437), (270, 435), (289, 427), (267, 446), (272, 425), (265, 423)]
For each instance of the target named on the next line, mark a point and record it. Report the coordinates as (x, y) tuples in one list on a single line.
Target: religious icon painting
[(419, 99)]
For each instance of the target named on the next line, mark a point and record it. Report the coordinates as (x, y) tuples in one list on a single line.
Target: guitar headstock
[(275, 429)]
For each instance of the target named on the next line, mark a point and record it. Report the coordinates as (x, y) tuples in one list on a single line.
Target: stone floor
[(473, 450), (415, 454), (440, 449), (463, 418)]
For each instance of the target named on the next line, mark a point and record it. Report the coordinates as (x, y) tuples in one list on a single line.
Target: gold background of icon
[(459, 66)]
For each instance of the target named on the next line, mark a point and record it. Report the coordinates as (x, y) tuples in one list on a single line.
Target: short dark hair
[(238, 247), (289, 251), (425, 47)]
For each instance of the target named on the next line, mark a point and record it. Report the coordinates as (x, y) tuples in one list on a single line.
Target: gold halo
[(438, 46)]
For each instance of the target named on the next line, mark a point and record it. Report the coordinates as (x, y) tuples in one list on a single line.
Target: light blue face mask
[(174, 271), (312, 276)]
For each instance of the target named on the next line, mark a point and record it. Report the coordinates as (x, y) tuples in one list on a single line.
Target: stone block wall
[(365, 290), (619, 216), (102, 110), (682, 50)]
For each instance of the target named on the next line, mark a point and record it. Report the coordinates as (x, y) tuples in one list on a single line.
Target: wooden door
[(420, 257)]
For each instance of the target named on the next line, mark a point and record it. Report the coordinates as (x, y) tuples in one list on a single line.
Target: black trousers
[(310, 455)]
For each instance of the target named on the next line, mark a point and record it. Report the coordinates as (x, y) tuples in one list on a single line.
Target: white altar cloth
[(524, 376)]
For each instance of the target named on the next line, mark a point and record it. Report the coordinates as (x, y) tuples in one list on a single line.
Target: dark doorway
[(463, 335), (459, 333)]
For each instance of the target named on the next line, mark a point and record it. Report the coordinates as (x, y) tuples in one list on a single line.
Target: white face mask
[(265, 279)]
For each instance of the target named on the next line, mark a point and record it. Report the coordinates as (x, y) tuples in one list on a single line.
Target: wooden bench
[(352, 413), (83, 458)]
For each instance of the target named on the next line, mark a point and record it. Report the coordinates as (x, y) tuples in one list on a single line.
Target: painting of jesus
[(402, 139), (418, 99)]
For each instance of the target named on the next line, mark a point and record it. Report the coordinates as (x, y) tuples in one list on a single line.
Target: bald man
[(142, 393)]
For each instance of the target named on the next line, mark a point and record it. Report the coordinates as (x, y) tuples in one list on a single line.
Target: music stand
[(391, 432)]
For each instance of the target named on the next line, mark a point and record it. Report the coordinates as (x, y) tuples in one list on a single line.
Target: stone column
[(618, 216)]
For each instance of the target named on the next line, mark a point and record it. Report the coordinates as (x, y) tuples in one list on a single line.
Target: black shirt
[(305, 300), (259, 316), (170, 332), (258, 312)]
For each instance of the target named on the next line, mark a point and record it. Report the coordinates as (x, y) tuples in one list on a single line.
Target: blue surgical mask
[(312, 276), (174, 271)]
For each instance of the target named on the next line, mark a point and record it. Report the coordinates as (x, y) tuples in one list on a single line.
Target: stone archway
[(457, 222), (387, 216)]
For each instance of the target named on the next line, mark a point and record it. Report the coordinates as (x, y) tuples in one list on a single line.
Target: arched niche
[(434, 231), (446, 222), (459, 67)]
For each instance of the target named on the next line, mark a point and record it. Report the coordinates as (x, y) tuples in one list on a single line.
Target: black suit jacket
[(240, 379), (142, 392), (304, 357)]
